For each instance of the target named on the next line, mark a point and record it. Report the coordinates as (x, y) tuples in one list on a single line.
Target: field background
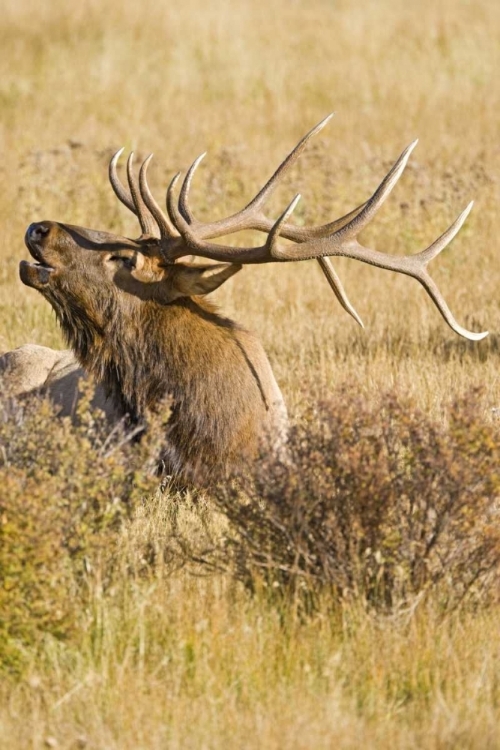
[(245, 81)]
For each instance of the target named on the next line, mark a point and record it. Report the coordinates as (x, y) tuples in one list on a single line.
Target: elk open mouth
[(35, 275)]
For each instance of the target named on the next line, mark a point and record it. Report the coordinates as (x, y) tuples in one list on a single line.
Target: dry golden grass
[(189, 665), (193, 663)]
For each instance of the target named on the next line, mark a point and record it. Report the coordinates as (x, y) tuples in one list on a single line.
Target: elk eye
[(128, 262)]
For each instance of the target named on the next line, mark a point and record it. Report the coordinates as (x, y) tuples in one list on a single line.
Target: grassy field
[(176, 661)]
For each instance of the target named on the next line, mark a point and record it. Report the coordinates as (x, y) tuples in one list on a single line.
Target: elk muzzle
[(36, 274)]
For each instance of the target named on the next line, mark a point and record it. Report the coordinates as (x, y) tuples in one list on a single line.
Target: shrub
[(375, 501), (64, 491)]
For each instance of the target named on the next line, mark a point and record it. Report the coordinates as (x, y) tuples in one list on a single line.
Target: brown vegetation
[(65, 490), (376, 501)]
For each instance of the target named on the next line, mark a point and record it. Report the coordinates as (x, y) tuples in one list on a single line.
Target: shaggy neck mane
[(150, 352)]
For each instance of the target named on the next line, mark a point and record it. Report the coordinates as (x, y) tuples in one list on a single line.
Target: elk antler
[(138, 198), (337, 238), (251, 217)]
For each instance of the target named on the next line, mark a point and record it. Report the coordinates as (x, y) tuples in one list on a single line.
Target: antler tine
[(325, 264), (273, 235), (186, 185), (286, 165), (167, 231), (424, 257), (252, 217), (438, 245), (145, 219), (354, 227), (338, 289), (175, 215), (249, 217), (120, 191)]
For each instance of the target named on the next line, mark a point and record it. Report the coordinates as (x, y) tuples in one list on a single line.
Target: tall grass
[(183, 662)]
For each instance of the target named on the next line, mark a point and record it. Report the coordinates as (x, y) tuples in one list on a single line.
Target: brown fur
[(133, 323)]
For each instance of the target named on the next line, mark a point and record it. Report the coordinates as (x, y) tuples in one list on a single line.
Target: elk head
[(83, 272)]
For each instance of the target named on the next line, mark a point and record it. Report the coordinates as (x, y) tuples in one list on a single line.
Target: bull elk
[(136, 317)]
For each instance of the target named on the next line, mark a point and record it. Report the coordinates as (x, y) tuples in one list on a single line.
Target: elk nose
[(37, 232)]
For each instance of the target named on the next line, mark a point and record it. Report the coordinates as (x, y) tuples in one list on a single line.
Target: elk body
[(33, 369), (136, 318)]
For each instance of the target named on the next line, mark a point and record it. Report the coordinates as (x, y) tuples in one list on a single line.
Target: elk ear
[(189, 281)]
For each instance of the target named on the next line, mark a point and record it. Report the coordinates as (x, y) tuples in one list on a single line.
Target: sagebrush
[(66, 489), (379, 502)]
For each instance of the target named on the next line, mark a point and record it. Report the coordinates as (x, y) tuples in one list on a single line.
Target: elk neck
[(144, 351)]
